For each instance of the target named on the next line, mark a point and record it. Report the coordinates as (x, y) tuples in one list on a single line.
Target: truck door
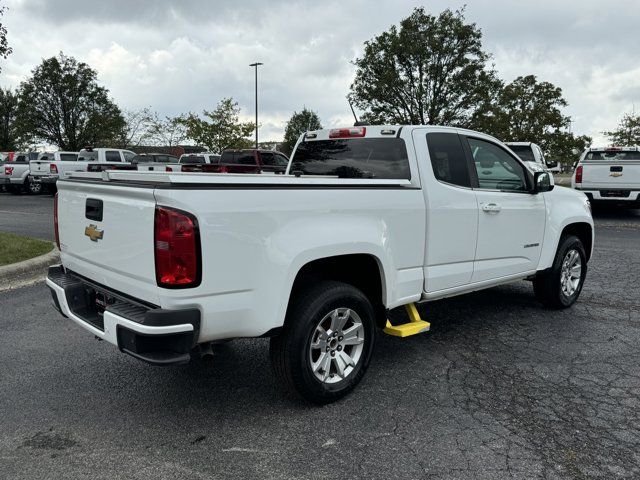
[(452, 210), (511, 220)]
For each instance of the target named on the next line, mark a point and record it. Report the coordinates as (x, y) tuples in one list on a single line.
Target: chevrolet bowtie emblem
[(94, 233), (615, 174)]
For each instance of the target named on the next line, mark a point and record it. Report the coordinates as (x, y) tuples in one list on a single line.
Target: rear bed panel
[(123, 259)]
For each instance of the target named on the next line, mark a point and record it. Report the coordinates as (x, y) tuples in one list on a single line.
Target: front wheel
[(326, 343), (560, 287)]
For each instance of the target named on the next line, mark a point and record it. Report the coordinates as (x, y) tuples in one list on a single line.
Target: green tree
[(628, 131), (221, 128), (525, 110), (8, 114), (167, 131), (63, 104), (565, 147), (430, 70), (5, 49), (299, 123), (529, 110), (137, 128)]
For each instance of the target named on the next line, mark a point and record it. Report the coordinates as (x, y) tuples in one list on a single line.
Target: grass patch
[(14, 248)]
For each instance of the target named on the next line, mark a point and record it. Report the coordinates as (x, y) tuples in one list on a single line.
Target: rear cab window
[(112, 156), (193, 159), (238, 158), (448, 159), (525, 152), (379, 158), (68, 157), (612, 155)]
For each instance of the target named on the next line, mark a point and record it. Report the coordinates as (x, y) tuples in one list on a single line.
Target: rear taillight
[(223, 169), (168, 169), (53, 168), (347, 132), (579, 174), (177, 249), (55, 220), (8, 170)]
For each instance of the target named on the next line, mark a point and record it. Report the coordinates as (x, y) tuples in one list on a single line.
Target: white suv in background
[(534, 156)]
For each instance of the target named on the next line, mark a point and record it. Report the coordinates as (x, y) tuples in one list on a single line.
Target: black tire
[(33, 188), (14, 190), (291, 354), (548, 287)]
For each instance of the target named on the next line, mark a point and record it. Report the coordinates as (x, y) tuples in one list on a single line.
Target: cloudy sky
[(177, 56)]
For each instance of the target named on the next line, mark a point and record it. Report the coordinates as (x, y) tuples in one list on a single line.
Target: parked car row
[(34, 173)]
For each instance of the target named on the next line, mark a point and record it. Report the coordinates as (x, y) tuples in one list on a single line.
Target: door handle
[(491, 208)]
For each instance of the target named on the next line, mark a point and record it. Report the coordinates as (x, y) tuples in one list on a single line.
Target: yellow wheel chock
[(416, 324)]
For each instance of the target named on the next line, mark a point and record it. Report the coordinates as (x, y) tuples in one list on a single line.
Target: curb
[(27, 272)]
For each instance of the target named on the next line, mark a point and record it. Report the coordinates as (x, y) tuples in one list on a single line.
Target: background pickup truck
[(531, 152), (15, 174), (375, 218), (609, 175), (50, 170), (144, 162)]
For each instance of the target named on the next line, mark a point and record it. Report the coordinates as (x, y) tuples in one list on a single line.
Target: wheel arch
[(362, 270), (584, 232)]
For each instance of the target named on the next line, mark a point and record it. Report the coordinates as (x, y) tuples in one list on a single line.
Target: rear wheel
[(560, 287), (326, 344), (33, 188)]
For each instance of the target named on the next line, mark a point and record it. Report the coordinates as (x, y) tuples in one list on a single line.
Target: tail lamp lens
[(177, 249), (55, 220), (168, 169), (8, 170), (579, 174), (53, 168)]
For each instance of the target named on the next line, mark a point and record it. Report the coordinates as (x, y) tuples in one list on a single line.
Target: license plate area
[(89, 304), (615, 193)]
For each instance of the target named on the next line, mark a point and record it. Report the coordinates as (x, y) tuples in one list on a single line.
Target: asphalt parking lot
[(499, 388)]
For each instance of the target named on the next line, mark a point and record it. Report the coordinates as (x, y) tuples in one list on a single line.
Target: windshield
[(87, 156), (612, 155), (525, 152), (384, 158)]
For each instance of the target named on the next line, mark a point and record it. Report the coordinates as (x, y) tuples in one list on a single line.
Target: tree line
[(431, 69), (62, 104)]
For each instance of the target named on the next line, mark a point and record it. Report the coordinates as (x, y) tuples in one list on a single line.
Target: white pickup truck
[(609, 175), (15, 174), (64, 163), (366, 219)]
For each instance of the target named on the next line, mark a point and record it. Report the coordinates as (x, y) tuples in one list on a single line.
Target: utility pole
[(256, 65)]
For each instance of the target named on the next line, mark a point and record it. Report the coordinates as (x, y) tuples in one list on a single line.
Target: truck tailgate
[(107, 235), (609, 175), (39, 166)]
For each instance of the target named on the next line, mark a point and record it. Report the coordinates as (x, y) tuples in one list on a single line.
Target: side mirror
[(542, 182)]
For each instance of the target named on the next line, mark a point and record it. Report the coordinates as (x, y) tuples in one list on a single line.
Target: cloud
[(185, 56)]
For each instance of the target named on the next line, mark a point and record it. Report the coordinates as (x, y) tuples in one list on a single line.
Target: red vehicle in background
[(243, 161)]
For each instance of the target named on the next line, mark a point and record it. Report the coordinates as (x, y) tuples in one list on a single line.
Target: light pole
[(255, 65)]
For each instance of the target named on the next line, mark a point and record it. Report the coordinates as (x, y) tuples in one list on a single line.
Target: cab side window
[(448, 159), (112, 156), (497, 170)]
